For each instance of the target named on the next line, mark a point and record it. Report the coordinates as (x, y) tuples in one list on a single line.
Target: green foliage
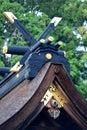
[(15, 59), (1, 63), (82, 88), (85, 39)]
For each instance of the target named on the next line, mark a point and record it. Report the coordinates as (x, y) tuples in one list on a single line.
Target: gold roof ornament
[(10, 16)]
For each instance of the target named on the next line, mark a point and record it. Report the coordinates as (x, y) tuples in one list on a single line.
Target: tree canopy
[(35, 16)]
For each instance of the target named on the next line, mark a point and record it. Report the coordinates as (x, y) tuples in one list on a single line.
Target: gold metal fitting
[(48, 56), (42, 41), (64, 54), (10, 16), (46, 97), (58, 95), (16, 67), (56, 20), (17, 75), (50, 38), (60, 43), (5, 49)]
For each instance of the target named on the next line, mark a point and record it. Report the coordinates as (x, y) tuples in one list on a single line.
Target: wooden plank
[(18, 104)]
